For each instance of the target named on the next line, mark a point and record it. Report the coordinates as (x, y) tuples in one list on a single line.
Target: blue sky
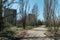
[(40, 6)]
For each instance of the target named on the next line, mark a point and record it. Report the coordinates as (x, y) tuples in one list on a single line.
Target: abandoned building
[(31, 19), (10, 16)]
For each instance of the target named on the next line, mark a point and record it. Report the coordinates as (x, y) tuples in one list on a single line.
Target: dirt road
[(37, 32)]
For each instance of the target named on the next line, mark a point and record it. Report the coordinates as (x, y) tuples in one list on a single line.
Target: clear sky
[(40, 6)]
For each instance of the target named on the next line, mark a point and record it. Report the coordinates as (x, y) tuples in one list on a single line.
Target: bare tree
[(47, 7), (1, 18), (49, 13), (35, 11), (1, 15), (23, 11)]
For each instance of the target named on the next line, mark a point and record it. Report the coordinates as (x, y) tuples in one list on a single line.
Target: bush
[(12, 29), (9, 27)]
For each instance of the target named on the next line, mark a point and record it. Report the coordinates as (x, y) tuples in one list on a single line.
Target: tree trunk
[(1, 19)]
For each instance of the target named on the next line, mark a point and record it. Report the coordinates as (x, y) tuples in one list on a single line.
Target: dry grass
[(20, 33), (49, 34)]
